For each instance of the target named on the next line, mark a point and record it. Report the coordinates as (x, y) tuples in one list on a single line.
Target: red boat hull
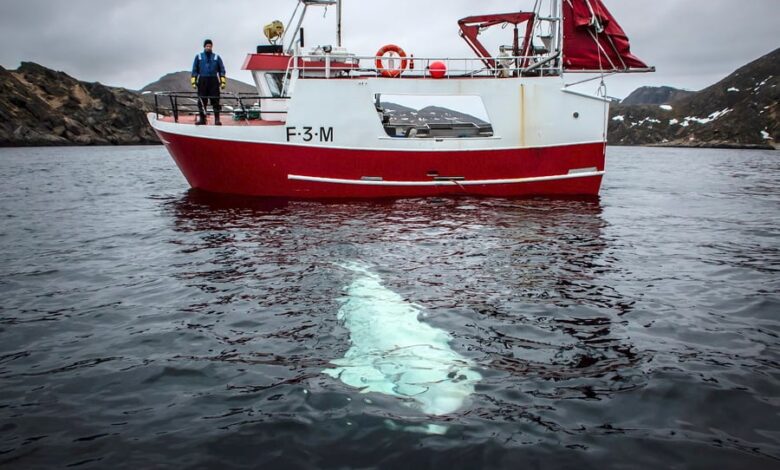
[(263, 169)]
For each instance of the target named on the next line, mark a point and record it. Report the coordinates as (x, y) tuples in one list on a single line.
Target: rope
[(594, 20), (601, 49), (602, 90)]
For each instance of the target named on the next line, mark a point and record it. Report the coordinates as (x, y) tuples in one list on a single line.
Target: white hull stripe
[(373, 182)]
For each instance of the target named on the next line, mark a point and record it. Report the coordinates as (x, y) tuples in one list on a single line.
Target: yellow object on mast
[(274, 31)]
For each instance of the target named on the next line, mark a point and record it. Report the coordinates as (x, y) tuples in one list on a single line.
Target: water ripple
[(145, 324)]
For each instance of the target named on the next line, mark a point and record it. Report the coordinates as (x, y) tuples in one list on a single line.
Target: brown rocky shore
[(42, 107)]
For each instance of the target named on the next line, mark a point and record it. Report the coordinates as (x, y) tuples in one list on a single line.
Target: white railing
[(335, 66)]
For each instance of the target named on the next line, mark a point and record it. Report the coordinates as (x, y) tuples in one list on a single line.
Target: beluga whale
[(392, 352)]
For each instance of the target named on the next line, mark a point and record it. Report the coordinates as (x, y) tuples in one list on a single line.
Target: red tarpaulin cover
[(580, 50)]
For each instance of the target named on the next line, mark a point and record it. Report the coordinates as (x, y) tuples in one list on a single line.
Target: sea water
[(146, 325)]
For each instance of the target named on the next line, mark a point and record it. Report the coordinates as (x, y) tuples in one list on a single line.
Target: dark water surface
[(144, 325)]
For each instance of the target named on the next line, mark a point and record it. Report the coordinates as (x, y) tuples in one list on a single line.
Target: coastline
[(696, 145)]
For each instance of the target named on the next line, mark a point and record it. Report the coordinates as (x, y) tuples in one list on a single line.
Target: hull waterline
[(299, 171)]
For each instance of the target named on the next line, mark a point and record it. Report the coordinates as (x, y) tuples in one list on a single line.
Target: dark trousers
[(208, 89)]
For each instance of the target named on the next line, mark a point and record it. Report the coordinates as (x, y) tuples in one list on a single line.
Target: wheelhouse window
[(275, 83), (433, 116)]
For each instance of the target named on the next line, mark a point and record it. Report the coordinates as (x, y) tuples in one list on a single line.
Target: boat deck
[(226, 121)]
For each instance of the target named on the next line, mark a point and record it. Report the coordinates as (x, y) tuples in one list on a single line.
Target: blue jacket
[(208, 65)]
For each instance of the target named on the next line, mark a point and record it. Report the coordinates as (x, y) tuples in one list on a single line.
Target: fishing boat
[(325, 123)]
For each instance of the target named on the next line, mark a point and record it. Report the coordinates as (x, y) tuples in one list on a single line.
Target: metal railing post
[(174, 107)]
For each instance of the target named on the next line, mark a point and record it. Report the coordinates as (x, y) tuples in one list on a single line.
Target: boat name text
[(307, 133)]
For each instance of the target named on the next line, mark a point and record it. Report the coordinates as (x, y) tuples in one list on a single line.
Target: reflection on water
[(143, 323), (520, 285)]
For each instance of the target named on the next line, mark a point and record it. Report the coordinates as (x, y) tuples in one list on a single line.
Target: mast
[(297, 27), (306, 4), (338, 27), (557, 11)]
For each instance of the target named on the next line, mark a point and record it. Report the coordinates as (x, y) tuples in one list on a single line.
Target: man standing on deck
[(208, 76)]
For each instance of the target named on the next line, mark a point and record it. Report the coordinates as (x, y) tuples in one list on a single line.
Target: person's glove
[(222, 82), (194, 82)]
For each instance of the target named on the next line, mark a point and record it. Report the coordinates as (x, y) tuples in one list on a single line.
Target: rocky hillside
[(740, 111), (655, 95), (39, 106)]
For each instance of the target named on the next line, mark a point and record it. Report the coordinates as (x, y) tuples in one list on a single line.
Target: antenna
[(338, 27)]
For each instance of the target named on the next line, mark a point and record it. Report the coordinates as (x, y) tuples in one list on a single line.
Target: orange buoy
[(390, 50), (438, 69)]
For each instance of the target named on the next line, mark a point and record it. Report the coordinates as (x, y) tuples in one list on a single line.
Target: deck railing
[(335, 66), (240, 106)]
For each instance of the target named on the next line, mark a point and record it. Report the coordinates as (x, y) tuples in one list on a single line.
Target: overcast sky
[(693, 43)]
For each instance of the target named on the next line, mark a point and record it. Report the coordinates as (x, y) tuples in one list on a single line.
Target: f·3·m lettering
[(309, 133)]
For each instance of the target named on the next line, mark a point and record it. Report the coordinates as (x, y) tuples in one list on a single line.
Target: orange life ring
[(391, 73)]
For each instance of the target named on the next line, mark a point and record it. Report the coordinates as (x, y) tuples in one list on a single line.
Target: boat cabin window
[(275, 83), (428, 116)]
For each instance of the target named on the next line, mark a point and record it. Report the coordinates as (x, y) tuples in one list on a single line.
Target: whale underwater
[(393, 353)]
